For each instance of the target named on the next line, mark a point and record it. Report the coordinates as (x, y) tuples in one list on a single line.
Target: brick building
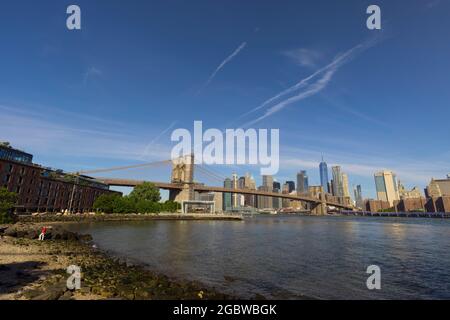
[(42, 189), (376, 205)]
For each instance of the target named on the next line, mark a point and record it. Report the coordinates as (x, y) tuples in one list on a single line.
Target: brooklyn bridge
[(182, 186)]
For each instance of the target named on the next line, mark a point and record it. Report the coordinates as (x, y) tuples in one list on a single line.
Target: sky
[(111, 93)]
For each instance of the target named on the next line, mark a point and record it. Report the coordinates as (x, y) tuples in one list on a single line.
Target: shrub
[(106, 203), (146, 191), (7, 202)]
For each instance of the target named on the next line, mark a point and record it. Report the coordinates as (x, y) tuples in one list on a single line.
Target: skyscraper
[(358, 196), (345, 189), (267, 181), (386, 186), (235, 196), (249, 199), (266, 202), (291, 185), (276, 202), (227, 204), (302, 182), (338, 185), (323, 168), (276, 185)]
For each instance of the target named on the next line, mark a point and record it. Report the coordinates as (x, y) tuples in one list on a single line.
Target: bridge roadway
[(203, 188)]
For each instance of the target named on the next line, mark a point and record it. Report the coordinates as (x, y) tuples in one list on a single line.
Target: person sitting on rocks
[(42, 235)]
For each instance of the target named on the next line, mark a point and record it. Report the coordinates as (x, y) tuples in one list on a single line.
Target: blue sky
[(112, 93)]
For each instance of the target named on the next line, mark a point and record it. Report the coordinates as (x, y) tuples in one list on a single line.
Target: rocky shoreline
[(36, 270)]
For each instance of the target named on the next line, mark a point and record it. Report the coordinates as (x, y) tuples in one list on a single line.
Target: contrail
[(328, 72), (147, 148), (224, 62)]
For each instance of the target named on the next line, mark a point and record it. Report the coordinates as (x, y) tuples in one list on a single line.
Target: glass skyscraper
[(227, 203), (324, 176), (302, 182)]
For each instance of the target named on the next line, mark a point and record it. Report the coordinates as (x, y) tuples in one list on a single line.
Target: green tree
[(106, 203), (7, 202), (145, 206), (124, 205), (146, 191), (171, 206)]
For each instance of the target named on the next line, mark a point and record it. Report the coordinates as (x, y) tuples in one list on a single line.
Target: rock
[(66, 296), (31, 294), (85, 290), (85, 237), (11, 232), (51, 294)]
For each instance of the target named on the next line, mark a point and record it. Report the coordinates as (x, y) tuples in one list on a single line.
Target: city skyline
[(82, 101)]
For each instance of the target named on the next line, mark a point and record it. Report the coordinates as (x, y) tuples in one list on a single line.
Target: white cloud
[(91, 72), (85, 139), (304, 57)]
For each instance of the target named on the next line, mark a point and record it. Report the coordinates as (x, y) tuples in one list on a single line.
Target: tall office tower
[(386, 185), (338, 185), (249, 199), (241, 183), (276, 185), (241, 198), (267, 181), (323, 168), (345, 188), (358, 196), (227, 204), (330, 187), (263, 201), (235, 196), (276, 202), (302, 182), (291, 185), (266, 202), (286, 202)]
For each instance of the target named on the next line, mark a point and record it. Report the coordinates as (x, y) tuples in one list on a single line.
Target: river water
[(290, 257)]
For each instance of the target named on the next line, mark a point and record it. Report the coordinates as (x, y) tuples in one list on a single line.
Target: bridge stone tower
[(183, 174), (321, 207)]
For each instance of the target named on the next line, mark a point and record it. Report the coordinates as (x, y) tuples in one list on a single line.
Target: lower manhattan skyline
[(216, 159), (316, 87)]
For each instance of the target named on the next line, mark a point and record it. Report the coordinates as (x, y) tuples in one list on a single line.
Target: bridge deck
[(203, 188)]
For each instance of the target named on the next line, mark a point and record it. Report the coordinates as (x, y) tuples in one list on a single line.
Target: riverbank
[(36, 270), (125, 217)]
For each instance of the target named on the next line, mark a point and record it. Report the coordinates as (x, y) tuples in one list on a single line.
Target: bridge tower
[(321, 207), (183, 173)]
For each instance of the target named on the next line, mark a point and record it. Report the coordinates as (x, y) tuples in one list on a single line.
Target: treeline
[(144, 198)]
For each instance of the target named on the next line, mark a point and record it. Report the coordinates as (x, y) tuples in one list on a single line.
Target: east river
[(291, 257)]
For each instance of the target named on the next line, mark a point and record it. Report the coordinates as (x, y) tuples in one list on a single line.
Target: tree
[(146, 191), (106, 203), (7, 202), (145, 206), (124, 205), (171, 206)]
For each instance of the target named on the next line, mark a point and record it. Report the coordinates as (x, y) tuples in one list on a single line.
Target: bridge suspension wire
[(209, 176), (149, 164), (210, 173)]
